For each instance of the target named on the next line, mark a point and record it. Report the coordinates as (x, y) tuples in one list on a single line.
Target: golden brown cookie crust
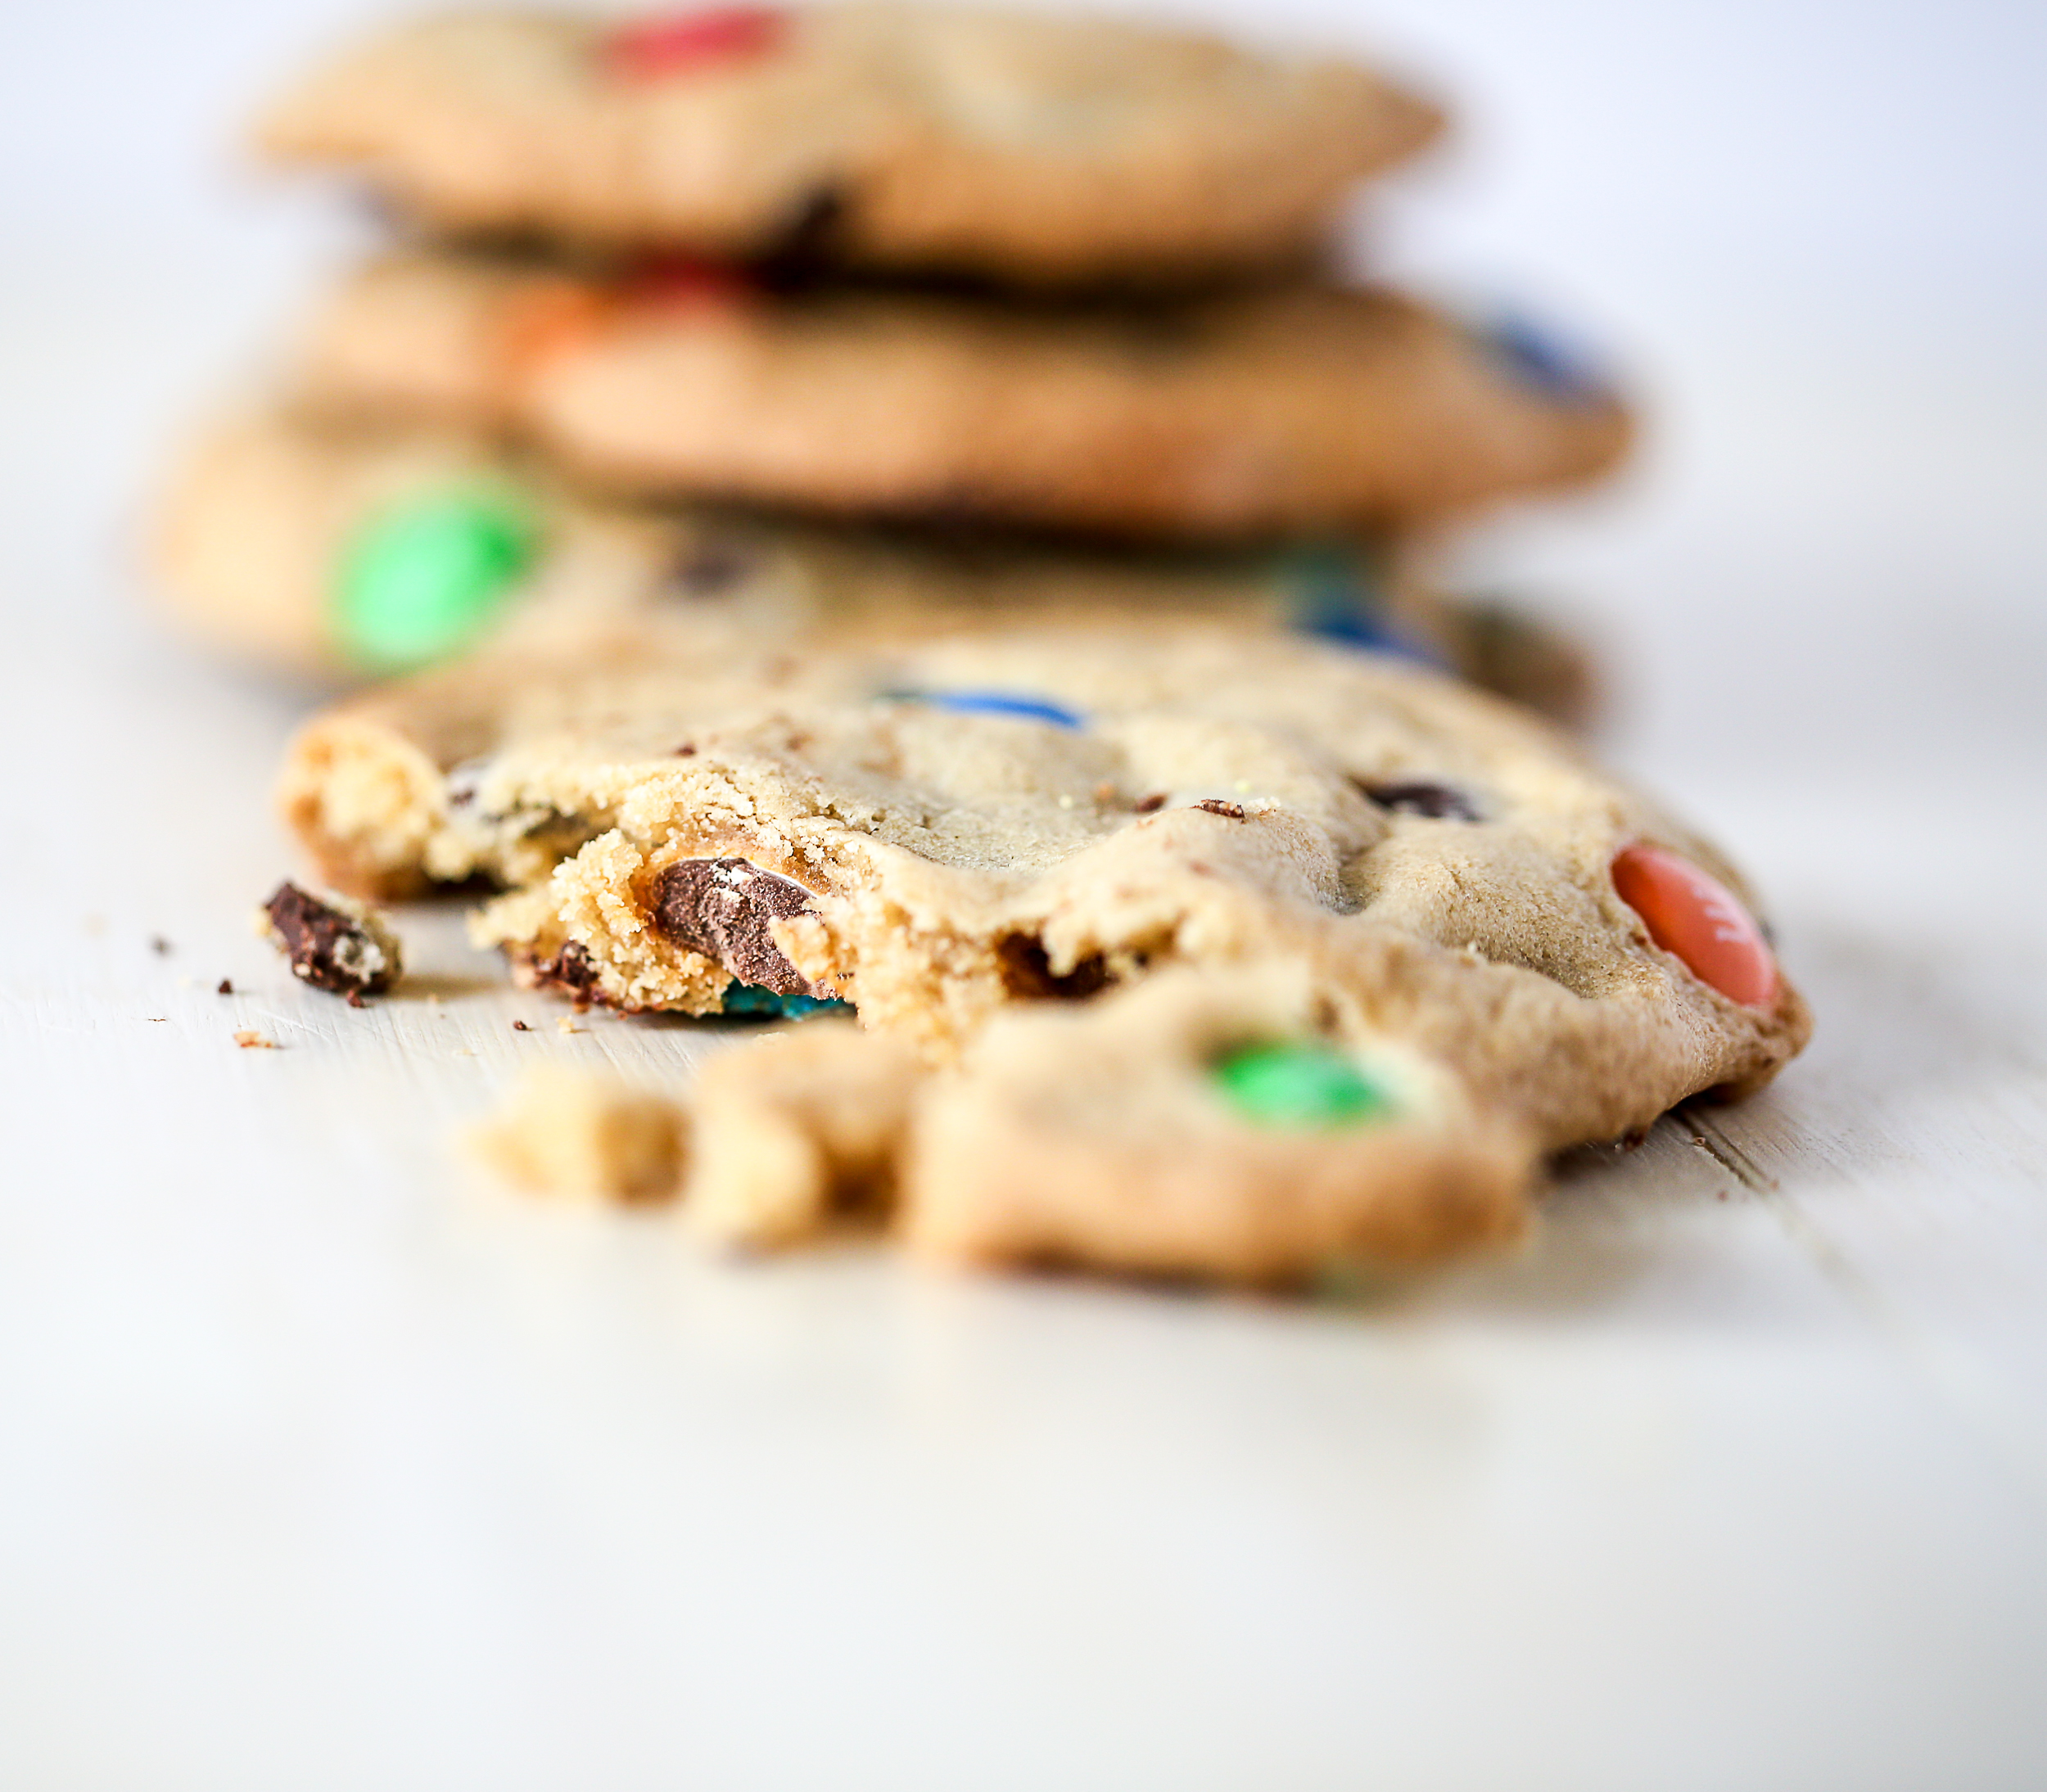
[(1282, 410), (1031, 147)]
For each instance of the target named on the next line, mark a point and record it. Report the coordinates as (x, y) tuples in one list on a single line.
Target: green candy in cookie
[(422, 580), (1298, 1085)]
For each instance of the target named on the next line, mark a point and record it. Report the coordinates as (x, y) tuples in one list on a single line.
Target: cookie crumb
[(580, 1133), (1105, 792), (250, 1040), (565, 1025), (1215, 807), (226, 987), (185, 981), (520, 1027), (333, 943)]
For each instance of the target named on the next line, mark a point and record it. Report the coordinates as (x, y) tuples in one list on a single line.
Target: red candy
[(653, 48), (679, 280), (1698, 919)]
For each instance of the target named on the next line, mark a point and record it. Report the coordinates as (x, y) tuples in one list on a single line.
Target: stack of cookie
[(911, 527), (963, 284)]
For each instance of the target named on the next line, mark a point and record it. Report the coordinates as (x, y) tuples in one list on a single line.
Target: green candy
[(1298, 1086), (422, 580)]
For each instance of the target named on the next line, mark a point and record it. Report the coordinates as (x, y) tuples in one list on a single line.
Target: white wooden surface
[(324, 1463)]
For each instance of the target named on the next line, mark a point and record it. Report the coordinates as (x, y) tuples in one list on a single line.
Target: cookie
[(1238, 1123), (331, 548), (1029, 146), (939, 832), (1279, 410), (584, 1134)]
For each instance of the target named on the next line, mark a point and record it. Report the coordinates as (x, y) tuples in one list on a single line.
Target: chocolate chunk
[(344, 949), (725, 908), (1026, 971), (569, 971), (520, 1027), (1216, 806), (227, 987), (1151, 805), (1418, 796)]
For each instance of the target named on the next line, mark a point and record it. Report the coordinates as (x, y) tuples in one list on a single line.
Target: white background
[(324, 1464)]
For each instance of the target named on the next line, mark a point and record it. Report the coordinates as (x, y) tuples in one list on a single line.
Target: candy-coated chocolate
[(756, 1003), (1032, 709), (422, 580), (1339, 596), (683, 280), (1298, 1086), (1543, 362), (1700, 921), (650, 48)]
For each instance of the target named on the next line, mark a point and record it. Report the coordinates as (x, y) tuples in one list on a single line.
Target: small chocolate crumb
[(344, 949), (354, 999), (688, 750), (227, 987), (725, 908), (569, 971), (1151, 805), (159, 946), (1215, 807), (520, 1027), (1421, 796)]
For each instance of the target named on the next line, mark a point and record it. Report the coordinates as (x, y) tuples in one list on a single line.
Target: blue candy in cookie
[(1030, 709), (1553, 368), (1339, 596), (755, 1003)]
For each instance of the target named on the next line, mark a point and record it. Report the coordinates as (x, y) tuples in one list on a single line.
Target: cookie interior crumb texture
[(584, 1133)]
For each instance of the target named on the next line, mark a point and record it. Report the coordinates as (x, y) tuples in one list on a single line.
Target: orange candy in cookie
[(652, 47), (1698, 919)]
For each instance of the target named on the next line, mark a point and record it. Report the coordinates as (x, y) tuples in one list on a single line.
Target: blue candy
[(758, 1003), (995, 703), (1338, 599), (1549, 366)]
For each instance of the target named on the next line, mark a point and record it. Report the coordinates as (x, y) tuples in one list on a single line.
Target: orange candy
[(1698, 919)]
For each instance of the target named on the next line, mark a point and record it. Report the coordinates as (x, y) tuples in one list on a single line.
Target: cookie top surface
[(1029, 146), (936, 830), (1275, 409)]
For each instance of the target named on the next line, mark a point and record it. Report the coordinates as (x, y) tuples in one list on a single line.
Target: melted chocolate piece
[(328, 947), (725, 908), (1026, 971), (1418, 796)]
